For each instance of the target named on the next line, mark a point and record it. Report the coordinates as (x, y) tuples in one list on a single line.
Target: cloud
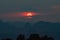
[(17, 16), (11, 9)]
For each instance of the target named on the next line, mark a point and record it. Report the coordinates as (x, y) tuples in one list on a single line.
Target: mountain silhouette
[(13, 29)]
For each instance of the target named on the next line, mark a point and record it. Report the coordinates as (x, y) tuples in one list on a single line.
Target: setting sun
[(29, 14)]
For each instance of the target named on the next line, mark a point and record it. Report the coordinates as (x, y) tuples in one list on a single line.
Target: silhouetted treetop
[(34, 37), (21, 37)]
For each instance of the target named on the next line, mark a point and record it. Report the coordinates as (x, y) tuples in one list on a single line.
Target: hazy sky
[(48, 10)]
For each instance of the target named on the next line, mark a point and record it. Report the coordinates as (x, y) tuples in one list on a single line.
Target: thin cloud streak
[(40, 17)]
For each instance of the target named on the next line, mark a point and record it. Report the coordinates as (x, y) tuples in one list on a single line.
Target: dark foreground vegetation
[(31, 37)]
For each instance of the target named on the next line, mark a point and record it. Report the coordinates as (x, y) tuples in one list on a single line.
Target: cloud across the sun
[(17, 16), (47, 10)]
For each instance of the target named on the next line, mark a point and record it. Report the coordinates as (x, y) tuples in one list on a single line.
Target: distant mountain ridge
[(52, 29)]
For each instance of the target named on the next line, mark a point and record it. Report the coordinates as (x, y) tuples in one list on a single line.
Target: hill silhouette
[(13, 29)]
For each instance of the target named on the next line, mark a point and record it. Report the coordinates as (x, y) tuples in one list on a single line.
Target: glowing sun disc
[(29, 14)]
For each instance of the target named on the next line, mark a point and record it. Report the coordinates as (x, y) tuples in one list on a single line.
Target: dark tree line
[(32, 37)]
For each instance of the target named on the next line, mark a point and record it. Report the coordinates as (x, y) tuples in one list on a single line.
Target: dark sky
[(48, 10)]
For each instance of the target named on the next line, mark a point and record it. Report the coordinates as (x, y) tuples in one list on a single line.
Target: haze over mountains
[(8, 29)]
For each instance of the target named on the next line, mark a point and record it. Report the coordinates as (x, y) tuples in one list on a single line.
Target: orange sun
[(29, 14)]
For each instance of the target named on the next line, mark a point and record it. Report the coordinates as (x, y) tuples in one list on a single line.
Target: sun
[(29, 14)]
